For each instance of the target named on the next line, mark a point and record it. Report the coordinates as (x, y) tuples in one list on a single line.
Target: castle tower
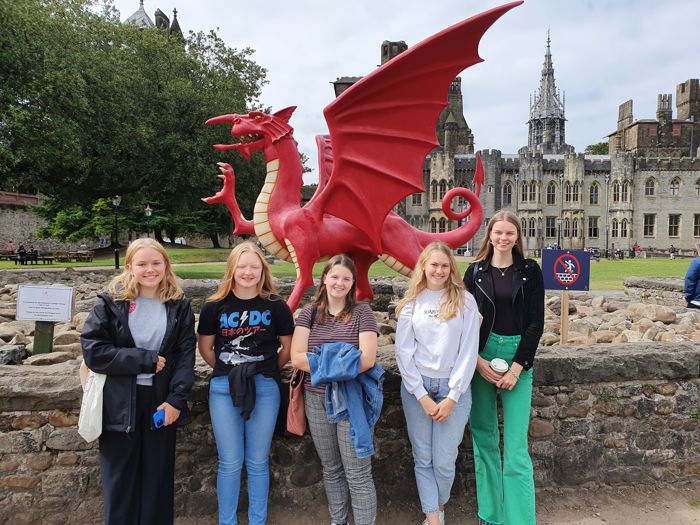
[(664, 114), (140, 18), (547, 122), (688, 100)]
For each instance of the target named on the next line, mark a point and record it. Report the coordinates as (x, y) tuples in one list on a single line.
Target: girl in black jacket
[(510, 294), (141, 336)]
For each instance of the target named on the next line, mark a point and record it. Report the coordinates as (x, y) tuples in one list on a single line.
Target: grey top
[(147, 323)]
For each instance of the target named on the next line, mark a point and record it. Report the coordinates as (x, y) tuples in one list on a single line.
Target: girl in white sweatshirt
[(437, 341)]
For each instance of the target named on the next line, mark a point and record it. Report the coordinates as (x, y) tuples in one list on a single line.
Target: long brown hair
[(124, 286), (265, 286), (453, 296), (486, 250), (320, 301)]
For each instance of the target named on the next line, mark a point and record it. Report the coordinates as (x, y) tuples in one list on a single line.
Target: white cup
[(499, 365)]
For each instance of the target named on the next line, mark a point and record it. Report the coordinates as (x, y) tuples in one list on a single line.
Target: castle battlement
[(668, 163)]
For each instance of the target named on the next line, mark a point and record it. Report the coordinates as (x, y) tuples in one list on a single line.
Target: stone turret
[(688, 100), (546, 127)]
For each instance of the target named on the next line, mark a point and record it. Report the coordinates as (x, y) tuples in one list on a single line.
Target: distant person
[(692, 283), (10, 247), (672, 252)]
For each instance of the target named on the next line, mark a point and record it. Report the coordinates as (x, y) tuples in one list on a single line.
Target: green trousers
[(505, 489)]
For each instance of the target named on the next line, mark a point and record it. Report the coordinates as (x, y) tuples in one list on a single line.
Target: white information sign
[(44, 303)]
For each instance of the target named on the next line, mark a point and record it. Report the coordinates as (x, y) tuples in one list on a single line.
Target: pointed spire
[(175, 26), (547, 120), (140, 18)]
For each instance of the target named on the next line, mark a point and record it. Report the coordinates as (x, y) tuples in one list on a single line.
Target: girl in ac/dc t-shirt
[(241, 329)]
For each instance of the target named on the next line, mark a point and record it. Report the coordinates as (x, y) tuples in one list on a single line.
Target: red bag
[(296, 417)]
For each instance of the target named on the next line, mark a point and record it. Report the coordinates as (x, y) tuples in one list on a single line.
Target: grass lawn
[(605, 275), (192, 264)]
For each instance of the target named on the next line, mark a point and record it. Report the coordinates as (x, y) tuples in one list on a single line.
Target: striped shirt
[(334, 331)]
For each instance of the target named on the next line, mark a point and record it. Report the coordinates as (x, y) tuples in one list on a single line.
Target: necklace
[(503, 270)]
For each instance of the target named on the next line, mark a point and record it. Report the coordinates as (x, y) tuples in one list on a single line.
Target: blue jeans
[(238, 440), (435, 444)]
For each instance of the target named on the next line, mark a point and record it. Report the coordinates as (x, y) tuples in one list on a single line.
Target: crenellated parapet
[(668, 164)]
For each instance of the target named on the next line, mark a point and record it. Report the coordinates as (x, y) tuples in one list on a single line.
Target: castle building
[(141, 20), (646, 190)]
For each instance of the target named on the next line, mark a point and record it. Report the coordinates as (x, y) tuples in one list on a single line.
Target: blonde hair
[(320, 301), (486, 250), (265, 286), (124, 286), (453, 296)]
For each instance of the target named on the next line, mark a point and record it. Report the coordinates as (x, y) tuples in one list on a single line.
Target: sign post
[(46, 305), (565, 270)]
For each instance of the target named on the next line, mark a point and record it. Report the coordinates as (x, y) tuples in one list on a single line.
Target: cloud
[(604, 52)]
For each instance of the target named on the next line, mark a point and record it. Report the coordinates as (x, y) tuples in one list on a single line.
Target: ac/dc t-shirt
[(246, 330)]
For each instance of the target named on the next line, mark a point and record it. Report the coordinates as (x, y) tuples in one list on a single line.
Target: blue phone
[(159, 419)]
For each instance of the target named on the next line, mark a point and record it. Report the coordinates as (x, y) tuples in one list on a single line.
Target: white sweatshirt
[(429, 346)]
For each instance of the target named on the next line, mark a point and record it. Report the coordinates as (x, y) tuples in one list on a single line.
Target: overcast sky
[(604, 53)]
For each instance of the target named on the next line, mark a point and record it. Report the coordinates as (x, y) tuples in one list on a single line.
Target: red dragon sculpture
[(381, 130)]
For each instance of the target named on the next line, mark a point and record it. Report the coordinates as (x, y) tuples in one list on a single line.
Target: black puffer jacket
[(528, 304), (109, 348)]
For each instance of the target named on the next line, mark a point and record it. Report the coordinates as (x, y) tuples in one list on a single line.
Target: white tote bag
[(90, 420)]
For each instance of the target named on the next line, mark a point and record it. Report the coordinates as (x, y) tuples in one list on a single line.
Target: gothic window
[(533, 191), (593, 197), (697, 188), (433, 225), (523, 193), (567, 228), (443, 189), (567, 192), (574, 228), (507, 194), (550, 229), (674, 223), (623, 228), (593, 227), (574, 197), (614, 228), (433, 191), (696, 225), (675, 187), (551, 193), (524, 227), (649, 224), (417, 199), (533, 228), (616, 191), (624, 194), (442, 225), (650, 187)]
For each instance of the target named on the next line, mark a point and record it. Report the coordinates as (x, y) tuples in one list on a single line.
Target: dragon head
[(255, 131)]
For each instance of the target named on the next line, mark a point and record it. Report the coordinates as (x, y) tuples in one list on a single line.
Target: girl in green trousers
[(510, 294)]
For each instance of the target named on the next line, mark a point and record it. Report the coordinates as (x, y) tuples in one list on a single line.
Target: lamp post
[(559, 233), (116, 201), (607, 212), (148, 212), (691, 119)]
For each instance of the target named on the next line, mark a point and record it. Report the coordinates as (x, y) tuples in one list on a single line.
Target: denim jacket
[(350, 394)]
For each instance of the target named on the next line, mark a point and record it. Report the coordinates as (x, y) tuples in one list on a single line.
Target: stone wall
[(613, 414)]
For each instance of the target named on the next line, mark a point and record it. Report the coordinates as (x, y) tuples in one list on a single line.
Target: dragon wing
[(383, 126)]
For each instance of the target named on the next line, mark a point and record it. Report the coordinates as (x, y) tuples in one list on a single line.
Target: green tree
[(601, 148), (93, 108)]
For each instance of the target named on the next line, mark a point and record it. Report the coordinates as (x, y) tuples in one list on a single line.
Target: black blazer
[(528, 304), (109, 348)]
